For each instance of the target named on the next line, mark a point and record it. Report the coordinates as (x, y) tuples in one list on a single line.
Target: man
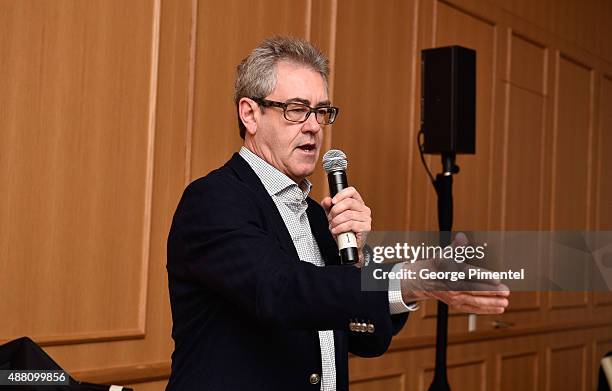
[(259, 298)]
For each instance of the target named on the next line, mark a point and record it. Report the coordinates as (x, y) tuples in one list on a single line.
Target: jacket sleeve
[(219, 241), (365, 346)]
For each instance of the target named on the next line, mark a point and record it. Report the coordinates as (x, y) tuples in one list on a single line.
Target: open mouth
[(308, 147)]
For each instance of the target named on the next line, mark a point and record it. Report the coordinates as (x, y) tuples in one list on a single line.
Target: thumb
[(326, 203), (460, 240)]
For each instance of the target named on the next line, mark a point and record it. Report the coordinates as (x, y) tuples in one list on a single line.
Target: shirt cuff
[(396, 303)]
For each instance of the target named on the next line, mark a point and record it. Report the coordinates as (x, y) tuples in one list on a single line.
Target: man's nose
[(311, 124)]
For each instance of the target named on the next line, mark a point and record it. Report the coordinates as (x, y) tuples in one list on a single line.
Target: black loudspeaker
[(448, 100)]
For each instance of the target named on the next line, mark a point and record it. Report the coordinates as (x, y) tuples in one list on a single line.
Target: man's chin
[(303, 172)]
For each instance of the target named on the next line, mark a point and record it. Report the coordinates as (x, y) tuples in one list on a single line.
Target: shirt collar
[(273, 180)]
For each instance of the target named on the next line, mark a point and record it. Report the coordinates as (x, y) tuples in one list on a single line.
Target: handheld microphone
[(335, 164)]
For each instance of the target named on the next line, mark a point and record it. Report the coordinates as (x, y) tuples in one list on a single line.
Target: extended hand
[(473, 296)]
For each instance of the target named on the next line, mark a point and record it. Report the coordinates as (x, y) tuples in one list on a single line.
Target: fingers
[(473, 302), (479, 310), (501, 293), (344, 200), (351, 226), (347, 212), (348, 204), (356, 220), (349, 192), (336, 217), (474, 286), (500, 289)]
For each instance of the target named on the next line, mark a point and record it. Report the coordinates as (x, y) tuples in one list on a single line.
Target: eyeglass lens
[(298, 113)]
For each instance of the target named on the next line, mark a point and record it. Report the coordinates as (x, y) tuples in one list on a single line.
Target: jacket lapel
[(320, 230), (246, 173)]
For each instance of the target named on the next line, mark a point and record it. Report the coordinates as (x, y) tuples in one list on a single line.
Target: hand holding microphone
[(349, 218)]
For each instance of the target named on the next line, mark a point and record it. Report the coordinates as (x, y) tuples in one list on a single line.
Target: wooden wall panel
[(600, 349), (173, 122), (518, 372), (604, 193), (528, 64), (222, 42), (572, 137), (585, 23), (374, 88), (525, 148), (88, 355), (77, 144), (566, 369), (524, 141), (561, 300), (571, 145), (603, 219), (512, 360)]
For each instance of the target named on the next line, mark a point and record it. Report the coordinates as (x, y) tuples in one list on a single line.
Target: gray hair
[(256, 74)]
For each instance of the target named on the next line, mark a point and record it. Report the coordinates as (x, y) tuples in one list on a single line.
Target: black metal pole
[(444, 190)]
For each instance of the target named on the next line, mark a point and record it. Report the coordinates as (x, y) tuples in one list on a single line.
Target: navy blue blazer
[(245, 309)]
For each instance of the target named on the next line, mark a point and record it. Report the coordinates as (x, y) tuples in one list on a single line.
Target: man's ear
[(249, 114)]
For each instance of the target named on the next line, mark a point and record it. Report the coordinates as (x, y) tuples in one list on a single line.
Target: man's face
[(293, 148)]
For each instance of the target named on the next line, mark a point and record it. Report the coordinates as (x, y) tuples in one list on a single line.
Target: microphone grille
[(334, 160)]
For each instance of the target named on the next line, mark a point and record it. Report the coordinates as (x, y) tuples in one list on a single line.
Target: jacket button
[(370, 328), (314, 378)]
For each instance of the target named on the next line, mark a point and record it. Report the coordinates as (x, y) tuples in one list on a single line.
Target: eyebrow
[(307, 102)]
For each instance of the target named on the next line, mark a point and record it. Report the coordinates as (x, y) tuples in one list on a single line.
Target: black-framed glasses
[(299, 112)]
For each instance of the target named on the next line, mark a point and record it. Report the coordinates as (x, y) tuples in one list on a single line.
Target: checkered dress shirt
[(290, 200)]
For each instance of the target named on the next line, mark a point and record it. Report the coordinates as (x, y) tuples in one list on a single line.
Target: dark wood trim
[(479, 336), (129, 374), (82, 338)]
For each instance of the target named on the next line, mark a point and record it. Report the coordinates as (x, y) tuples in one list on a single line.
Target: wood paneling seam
[(83, 338), (134, 373), (523, 88), (468, 12), (146, 243), (308, 20), (332, 62), (494, 134), (360, 378), (591, 128), (191, 89), (543, 145), (505, 129), (414, 122), (500, 357), (600, 132), (555, 125)]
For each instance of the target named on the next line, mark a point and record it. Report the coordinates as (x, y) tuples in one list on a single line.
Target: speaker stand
[(444, 190)]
